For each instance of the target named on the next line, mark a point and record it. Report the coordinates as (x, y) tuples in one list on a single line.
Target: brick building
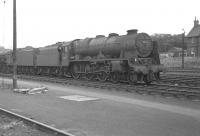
[(193, 40)]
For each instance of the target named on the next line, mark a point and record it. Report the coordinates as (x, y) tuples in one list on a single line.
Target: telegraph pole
[(183, 43), (14, 45)]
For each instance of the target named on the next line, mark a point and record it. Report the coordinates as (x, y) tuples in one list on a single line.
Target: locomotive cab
[(65, 54)]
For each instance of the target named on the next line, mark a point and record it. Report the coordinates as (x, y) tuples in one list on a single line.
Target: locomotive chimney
[(132, 31)]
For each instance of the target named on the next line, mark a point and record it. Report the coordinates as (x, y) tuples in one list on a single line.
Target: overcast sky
[(44, 22)]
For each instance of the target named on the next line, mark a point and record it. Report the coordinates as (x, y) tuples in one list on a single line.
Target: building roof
[(195, 31)]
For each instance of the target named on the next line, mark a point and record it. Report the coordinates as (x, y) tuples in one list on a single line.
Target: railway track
[(185, 70), (157, 88), (182, 80), (17, 119)]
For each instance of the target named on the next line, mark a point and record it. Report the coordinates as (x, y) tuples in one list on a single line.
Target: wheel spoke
[(115, 77), (89, 76), (147, 79), (133, 78), (102, 76), (75, 75)]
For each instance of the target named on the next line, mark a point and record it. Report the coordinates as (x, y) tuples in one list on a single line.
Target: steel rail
[(154, 88), (42, 126)]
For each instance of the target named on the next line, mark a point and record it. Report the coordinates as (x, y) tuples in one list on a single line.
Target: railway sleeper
[(193, 97)]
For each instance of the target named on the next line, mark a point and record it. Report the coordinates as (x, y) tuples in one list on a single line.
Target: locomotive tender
[(131, 58)]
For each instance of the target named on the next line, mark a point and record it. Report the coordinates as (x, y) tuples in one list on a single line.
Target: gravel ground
[(14, 127)]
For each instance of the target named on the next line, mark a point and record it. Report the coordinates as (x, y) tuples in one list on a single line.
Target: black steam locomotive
[(131, 58)]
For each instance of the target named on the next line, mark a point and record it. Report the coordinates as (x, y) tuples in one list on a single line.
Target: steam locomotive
[(127, 58)]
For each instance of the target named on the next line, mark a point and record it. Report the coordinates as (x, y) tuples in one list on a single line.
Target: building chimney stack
[(196, 22)]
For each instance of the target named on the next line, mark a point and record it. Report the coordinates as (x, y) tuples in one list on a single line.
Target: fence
[(5, 84), (176, 62)]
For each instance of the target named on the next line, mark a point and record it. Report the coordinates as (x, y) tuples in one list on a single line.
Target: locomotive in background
[(131, 58)]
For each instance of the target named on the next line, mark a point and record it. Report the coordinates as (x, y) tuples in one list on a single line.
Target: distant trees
[(2, 49), (168, 41)]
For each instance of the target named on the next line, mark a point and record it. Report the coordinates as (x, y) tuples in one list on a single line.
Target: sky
[(45, 22)]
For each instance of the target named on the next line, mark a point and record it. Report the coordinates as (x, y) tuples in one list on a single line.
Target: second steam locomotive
[(118, 58)]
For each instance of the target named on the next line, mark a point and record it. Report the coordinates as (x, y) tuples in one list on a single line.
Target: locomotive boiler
[(130, 45)]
